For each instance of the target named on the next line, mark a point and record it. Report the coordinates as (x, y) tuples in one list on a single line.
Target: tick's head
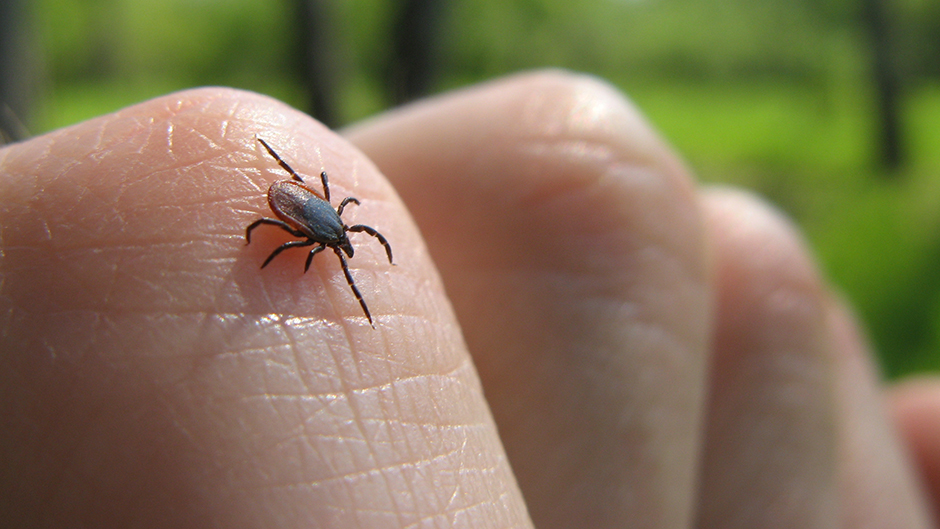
[(346, 246)]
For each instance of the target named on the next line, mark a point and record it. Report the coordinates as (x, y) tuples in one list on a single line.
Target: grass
[(877, 236)]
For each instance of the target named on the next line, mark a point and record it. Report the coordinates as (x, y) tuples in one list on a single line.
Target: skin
[(653, 354)]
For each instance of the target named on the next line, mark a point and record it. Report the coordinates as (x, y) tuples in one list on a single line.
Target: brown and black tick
[(304, 213)]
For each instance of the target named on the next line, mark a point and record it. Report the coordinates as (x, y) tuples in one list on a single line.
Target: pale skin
[(654, 354)]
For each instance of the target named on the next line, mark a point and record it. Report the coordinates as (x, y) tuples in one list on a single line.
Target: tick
[(302, 212)]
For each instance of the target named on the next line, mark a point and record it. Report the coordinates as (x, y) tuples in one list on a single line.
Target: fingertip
[(771, 374), (764, 270), (177, 365), (915, 406)]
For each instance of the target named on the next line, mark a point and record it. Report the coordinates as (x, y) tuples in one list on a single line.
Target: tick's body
[(304, 213)]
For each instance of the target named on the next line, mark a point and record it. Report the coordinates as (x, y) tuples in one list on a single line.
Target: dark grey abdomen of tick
[(324, 224)]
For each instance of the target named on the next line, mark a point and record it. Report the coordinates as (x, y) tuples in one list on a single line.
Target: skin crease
[(654, 354)]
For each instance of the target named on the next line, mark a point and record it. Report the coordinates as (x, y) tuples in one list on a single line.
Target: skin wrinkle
[(391, 468), (357, 418), (616, 299), (591, 190), (80, 196), (611, 115), (583, 284), (360, 428), (411, 453), (572, 152), (399, 510)]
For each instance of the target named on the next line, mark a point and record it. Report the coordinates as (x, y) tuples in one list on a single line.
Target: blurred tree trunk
[(411, 67), (17, 71), (415, 40), (887, 83), (318, 59)]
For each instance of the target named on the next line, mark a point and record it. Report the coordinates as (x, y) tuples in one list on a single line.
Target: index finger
[(153, 375)]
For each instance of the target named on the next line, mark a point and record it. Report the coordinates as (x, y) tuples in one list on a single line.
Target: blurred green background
[(781, 96)]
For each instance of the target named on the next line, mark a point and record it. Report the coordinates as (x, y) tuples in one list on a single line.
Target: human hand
[(654, 354)]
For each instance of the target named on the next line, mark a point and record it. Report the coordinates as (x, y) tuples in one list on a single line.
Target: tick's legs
[(286, 245), (352, 285), (313, 252), (371, 231), (274, 222), (326, 185), (283, 164), (342, 205)]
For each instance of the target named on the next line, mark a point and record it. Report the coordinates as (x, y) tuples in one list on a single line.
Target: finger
[(571, 244), (915, 408), (153, 375), (878, 487), (769, 454)]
